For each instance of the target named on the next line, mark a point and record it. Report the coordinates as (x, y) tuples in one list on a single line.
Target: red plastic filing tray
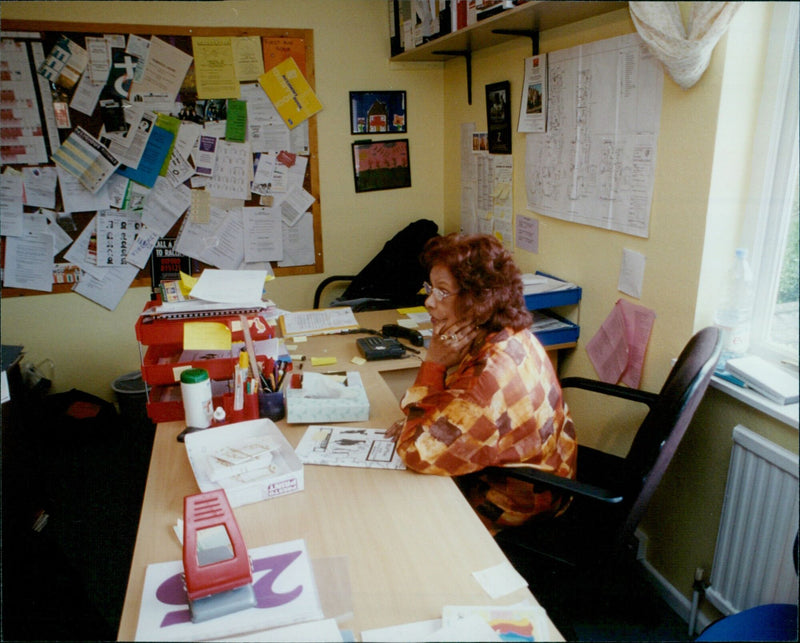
[(164, 341), (161, 365), (151, 331)]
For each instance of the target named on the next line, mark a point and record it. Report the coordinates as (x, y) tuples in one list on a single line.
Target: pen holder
[(271, 405), (248, 412)]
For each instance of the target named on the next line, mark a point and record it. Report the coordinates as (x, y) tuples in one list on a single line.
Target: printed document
[(595, 165), (343, 446)]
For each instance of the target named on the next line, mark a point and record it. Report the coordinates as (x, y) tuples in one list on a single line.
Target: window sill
[(788, 413)]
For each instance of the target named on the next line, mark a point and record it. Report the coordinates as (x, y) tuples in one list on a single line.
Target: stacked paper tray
[(162, 364), (552, 330), (564, 296)]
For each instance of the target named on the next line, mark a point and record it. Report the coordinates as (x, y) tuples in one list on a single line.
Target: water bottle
[(735, 313)]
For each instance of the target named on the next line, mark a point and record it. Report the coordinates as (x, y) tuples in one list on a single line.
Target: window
[(774, 213)]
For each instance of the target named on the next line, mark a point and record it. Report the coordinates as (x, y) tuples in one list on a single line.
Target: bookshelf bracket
[(467, 54), (528, 33)]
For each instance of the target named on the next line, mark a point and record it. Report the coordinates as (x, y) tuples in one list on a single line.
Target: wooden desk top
[(410, 541)]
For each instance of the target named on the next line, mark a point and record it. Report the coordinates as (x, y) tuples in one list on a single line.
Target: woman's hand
[(450, 344), (393, 432)]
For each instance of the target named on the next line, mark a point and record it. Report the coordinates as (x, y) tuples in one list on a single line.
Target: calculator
[(374, 348)]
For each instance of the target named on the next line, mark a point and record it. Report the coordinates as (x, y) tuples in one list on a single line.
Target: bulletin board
[(277, 46)]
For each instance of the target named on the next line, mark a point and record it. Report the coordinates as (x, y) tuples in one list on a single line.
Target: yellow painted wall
[(91, 346)]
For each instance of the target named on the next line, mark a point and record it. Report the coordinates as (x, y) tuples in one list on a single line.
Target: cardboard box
[(312, 410), (284, 474)]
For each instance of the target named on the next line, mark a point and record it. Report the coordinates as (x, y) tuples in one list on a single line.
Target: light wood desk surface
[(411, 541)]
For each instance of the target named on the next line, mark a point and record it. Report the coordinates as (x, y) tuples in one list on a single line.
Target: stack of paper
[(318, 322), (534, 284), (771, 381)]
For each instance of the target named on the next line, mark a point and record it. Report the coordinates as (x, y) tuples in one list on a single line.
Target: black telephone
[(374, 348), (395, 330)]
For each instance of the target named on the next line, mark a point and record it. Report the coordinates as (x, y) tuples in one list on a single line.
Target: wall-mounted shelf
[(527, 20), (528, 17)]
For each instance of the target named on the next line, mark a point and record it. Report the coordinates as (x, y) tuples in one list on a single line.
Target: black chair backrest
[(666, 422), (395, 273)]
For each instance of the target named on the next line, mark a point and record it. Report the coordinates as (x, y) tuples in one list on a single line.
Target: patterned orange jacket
[(500, 406)]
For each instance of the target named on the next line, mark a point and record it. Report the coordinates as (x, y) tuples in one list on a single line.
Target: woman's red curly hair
[(490, 284)]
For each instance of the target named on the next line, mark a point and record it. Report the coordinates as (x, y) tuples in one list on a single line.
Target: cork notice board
[(222, 106)]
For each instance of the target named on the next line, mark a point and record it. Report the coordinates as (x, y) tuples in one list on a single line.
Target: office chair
[(611, 493), (392, 279), (770, 622)]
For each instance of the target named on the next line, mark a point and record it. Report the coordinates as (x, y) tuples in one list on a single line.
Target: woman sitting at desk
[(501, 403)]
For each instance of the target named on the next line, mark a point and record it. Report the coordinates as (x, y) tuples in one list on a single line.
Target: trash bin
[(131, 394)]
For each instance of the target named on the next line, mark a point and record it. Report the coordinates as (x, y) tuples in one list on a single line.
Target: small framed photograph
[(498, 117), (378, 112), (381, 165)]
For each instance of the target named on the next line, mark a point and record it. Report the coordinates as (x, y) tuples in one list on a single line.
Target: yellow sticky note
[(206, 336), (187, 283), (322, 361), (358, 360)]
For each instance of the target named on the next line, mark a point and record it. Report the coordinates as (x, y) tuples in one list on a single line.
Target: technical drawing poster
[(595, 164)]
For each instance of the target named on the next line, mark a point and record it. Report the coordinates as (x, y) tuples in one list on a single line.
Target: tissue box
[(284, 475), (308, 410)]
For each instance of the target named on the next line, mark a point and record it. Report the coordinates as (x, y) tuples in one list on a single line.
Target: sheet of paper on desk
[(284, 585), (513, 622), (317, 322), (348, 447), (326, 630)]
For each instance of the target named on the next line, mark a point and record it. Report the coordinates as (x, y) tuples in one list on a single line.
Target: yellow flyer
[(290, 92), (215, 68)]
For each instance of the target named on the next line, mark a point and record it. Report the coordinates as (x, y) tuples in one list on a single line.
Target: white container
[(198, 407)]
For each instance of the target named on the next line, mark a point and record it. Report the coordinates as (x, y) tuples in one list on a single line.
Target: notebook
[(771, 381)]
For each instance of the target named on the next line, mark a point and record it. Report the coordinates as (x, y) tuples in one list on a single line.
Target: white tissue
[(319, 385)]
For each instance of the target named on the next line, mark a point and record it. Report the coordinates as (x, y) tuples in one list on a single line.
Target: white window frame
[(774, 161)]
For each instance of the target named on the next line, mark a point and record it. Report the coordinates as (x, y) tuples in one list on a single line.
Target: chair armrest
[(614, 390), (537, 476), (325, 282)]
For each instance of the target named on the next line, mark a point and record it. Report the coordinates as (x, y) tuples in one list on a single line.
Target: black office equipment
[(374, 348), (395, 330)]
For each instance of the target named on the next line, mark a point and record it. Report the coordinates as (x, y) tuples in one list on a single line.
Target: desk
[(411, 541)]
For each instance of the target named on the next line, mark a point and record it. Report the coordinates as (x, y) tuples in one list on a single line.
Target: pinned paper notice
[(618, 348), (631, 274), (290, 92)]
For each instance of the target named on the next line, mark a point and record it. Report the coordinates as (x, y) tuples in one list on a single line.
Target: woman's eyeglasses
[(440, 294)]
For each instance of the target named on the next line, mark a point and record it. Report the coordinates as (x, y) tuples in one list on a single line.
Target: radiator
[(753, 563)]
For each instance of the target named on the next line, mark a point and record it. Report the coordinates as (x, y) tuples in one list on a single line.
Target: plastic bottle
[(735, 313), (198, 406)]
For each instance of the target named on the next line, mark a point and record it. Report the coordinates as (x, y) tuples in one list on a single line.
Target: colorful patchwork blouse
[(498, 407)]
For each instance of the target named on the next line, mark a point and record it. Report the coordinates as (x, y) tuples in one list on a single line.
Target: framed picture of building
[(378, 112)]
